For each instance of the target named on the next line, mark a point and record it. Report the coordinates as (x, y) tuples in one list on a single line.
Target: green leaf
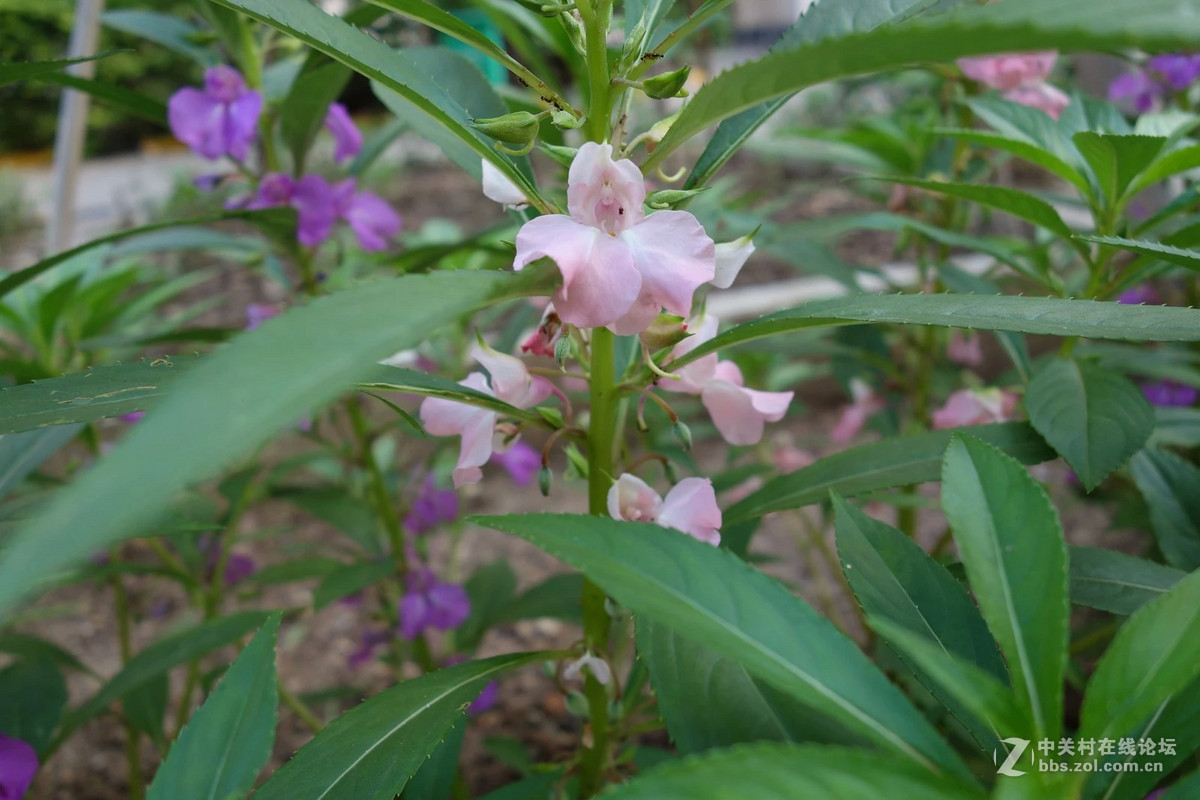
[(435, 779), (167, 30), (1115, 582), (28, 646), (302, 112), (1094, 416), (828, 19), (33, 695), (336, 507), (1002, 198), (135, 103), (1169, 163), (371, 751), (770, 771), (1025, 149), (709, 595), (899, 461), (168, 652), (1171, 487), (394, 69), (896, 581), (490, 589), (235, 400), (557, 597), (1014, 25), (228, 739), (1155, 654), (1117, 160), (1179, 427), (1188, 259), (1185, 787), (146, 706), (410, 381), (11, 72), (1039, 315), (22, 453), (1016, 560), (349, 580), (736, 707)]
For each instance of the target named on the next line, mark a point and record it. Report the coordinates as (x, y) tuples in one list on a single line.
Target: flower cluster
[(1143, 90), (1020, 77), (690, 506), (222, 120)]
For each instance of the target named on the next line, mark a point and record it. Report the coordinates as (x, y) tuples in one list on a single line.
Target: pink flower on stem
[(510, 382), (740, 414), (1021, 77), (219, 120), (18, 765), (864, 404), (975, 407), (690, 506), (347, 138), (965, 349), (620, 266)]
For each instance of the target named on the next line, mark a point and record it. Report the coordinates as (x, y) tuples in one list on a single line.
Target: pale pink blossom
[(690, 506), (510, 382), (619, 265), (1021, 77), (864, 403), (731, 257), (965, 349), (740, 414), (500, 189), (975, 407), (593, 664)]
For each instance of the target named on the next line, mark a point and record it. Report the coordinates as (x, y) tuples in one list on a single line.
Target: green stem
[(594, 14), (137, 789), (302, 711)]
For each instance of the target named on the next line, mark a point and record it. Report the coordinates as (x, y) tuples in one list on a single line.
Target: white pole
[(72, 125)]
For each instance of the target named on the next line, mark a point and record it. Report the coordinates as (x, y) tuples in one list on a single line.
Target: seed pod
[(669, 84)]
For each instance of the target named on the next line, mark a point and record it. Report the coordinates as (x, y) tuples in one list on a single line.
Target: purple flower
[(521, 461), (432, 507), (1168, 394), (320, 204), (372, 640), (1179, 70), (429, 603), (18, 765), (347, 139), (258, 313), (1135, 90), (487, 698), (206, 183), (373, 221), (1139, 295), (218, 120), (132, 416), (238, 568)]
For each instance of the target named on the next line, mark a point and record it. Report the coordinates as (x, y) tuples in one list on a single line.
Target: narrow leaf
[(1115, 582), (1188, 259), (1171, 487)]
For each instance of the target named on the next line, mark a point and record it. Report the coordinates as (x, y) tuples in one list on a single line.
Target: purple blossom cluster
[(1143, 90), (222, 120)]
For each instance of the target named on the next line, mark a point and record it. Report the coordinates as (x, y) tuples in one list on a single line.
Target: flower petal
[(632, 500), (347, 138), (674, 255), (316, 208), (372, 219), (241, 124), (731, 257), (498, 188), (603, 193), (196, 119), (691, 507), (732, 410), (600, 281), (510, 378)]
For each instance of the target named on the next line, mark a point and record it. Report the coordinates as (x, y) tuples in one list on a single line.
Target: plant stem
[(302, 711), (594, 14), (137, 789)]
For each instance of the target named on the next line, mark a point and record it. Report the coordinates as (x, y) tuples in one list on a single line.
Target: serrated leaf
[(13, 71), (1002, 198), (1115, 582), (1173, 162), (1038, 315), (228, 739), (1117, 160), (1171, 487), (709, 595), (371, 751), (1188, 259), (1025, 149), (349, 580), (1154, 655), (898, 461), (557, 597), (1092, 415), (1015, 557), (770, 771)]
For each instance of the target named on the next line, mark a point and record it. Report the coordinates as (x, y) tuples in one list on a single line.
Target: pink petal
[(731, 257), (729, 371), (852, 421), (674, 255), (632, 500), (961, 408), (770, 405), (732, 410), (475, 449), (498, 187), (603, 193), (600, 281), (965, 349), (696, 375), (450, 418), (1010, 70), (1041, 96), (511, 381), (691, 507)]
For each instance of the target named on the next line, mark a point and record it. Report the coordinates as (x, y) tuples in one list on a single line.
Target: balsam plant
[(975, 685)]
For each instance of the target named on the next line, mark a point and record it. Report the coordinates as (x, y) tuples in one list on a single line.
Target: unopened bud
[(667, 330), (565, 120), (658, 131), (574, 31), (546, 8), (562, 351), (684, 434), (632, 51), (669, 84), (519, 127), (545, 476), (560, 153), (670, 198)]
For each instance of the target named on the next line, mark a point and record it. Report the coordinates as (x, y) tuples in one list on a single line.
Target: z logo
[(1018, 749)]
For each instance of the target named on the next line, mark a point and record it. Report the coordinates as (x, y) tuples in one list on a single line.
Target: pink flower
[(619, 266), (740, 414), (510, 382), (542, 341), (347, 138), (865, 403), (731, 257), (1021, 77), (219, 120), (975, 407), (965, 349), (690, 506)]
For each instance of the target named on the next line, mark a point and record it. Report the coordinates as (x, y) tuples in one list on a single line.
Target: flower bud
[(560, 153), (684, 434), (565, 120), (562, 351), (519, 127), (670, 198), (632, 51), (669, 84), (545, 476), (574, 31), (667, 330), (658, 131)]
